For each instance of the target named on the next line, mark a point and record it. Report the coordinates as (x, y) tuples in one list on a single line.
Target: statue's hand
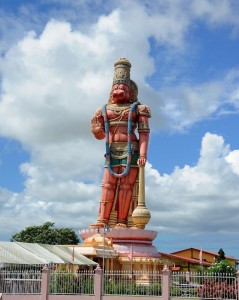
[(142, 161), (96, 127)]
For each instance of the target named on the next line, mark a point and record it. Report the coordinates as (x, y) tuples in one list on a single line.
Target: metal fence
[(65, 282), (180, 285), (203, 285), (128, 283), (20, 281)]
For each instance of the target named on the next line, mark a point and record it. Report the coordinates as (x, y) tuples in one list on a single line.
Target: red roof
[(191, 260), (203, 251), (174, 268)]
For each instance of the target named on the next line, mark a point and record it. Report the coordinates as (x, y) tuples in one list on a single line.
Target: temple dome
[(97, 240)]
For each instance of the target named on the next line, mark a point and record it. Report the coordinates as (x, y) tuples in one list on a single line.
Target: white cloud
[(46, 85), (215, 12), (197, 199), (233, 159), (185, 105)]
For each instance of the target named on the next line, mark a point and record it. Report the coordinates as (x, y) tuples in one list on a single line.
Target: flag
[(73, 254), (130, 255), (200, 256)]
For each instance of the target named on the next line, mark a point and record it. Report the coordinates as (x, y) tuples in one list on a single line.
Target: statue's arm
[(143, 147), (143, 129), (97, 125)]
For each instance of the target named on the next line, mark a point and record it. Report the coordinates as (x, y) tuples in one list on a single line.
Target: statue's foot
[(120, 226)]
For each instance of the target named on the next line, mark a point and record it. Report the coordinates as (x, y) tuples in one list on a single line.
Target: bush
[(214, 289), (69, 283), (222, 267), (113, 287)]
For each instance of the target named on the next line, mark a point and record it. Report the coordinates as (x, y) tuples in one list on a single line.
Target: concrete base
[(130, 244)]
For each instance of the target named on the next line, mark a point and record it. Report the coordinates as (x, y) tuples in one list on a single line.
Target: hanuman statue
[(116, 122)]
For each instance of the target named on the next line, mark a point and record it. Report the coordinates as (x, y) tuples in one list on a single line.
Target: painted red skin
[(121, 95)]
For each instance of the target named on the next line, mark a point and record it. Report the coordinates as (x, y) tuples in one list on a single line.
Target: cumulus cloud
[(201, 198), (46, 79), (223, 14), (185, 105), (233, 160)]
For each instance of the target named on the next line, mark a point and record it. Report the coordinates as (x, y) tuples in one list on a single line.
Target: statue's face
[(120, 93)]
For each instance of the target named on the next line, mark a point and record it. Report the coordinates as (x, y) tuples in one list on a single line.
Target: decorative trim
[(129, 143)]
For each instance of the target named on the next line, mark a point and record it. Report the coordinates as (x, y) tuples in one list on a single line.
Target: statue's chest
[(120, 115)]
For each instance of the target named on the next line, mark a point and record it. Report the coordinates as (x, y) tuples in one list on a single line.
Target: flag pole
[(201, 265), (130, 257), (73, 254), (200, 257)]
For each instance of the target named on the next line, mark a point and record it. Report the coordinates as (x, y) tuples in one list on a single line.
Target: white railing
[(20, 282), (166, 284), (65, 282), (132, 283), (203, 285)]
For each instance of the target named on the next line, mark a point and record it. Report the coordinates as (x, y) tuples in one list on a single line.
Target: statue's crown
[(122, 71)]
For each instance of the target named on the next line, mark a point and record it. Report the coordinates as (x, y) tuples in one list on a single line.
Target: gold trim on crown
[(122, 71)]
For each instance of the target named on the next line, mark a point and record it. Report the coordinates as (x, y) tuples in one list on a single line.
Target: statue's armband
[(143, 115)]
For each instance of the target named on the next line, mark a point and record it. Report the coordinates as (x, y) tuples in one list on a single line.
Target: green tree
[(221, 255), (222, 265), (47, 234)]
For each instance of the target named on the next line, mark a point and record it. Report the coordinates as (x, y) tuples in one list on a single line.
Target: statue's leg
[(109, 186), (125, 194)]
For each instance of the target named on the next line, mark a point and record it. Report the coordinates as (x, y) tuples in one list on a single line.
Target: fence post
[(237, 284), (166, 283), (98, 283), (45, 283)]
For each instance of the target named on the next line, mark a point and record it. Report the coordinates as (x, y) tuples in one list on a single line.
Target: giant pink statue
[(116, 122)]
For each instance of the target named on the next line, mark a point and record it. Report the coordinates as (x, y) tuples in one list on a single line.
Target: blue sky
[(56, 69)]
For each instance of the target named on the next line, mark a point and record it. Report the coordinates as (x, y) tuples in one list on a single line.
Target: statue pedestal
[(133, 246)]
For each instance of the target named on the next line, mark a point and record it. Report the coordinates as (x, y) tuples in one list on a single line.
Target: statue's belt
[(120, 150)]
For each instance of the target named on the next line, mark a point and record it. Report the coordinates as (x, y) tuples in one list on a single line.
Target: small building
[(38, 255), (99, 249), (206, 256), (179, 263), (190, 259)]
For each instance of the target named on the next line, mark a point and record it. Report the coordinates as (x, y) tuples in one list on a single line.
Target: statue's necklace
[(107, 144)]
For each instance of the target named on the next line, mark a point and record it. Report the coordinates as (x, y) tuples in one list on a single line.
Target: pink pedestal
[(126, 240)]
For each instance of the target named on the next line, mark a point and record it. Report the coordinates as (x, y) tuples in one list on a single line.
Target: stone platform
[(133, 243)]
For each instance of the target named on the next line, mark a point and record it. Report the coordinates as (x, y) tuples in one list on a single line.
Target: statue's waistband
[(123, 146)]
